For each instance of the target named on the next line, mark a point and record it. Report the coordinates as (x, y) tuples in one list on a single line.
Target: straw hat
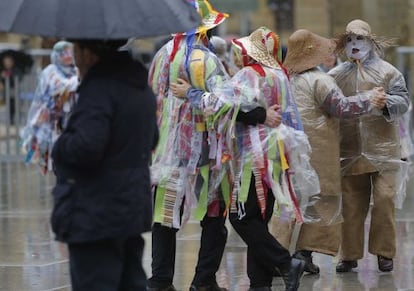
[(262, 45), (360, 27), (210, 17), (306, 50)]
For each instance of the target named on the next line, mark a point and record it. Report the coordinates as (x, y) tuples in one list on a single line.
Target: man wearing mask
[(370, 148), (320, 104)]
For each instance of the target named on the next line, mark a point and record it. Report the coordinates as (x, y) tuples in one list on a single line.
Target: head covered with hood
[(62, 57), (358, 42), (306, 50)]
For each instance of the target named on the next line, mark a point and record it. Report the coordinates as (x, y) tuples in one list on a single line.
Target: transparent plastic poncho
[(182, 169), (48, 114), (276, 158), (321, 104), (372, 143)]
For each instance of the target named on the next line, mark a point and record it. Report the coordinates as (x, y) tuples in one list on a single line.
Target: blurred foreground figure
[(51, 107), (370, 149), (102, 198)]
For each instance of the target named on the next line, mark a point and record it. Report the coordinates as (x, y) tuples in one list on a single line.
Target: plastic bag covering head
[(62, 57), (358, 27)]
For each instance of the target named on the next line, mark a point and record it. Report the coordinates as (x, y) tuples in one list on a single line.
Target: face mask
[(357, 47)]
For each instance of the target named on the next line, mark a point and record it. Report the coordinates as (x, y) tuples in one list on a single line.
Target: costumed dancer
[(320, 103), (370, 149), (182, 171), (53, 102), (269, 156)]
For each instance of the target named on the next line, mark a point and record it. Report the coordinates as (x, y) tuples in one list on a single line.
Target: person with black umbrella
[(13, 66), (102, 197)]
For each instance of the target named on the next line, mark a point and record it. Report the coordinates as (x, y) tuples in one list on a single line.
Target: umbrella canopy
[(23, 62), (97, 19)]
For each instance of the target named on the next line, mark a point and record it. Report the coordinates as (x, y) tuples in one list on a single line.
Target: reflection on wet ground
[(31, 260)]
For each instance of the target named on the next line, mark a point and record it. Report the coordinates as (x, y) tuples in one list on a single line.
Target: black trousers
[(212, 244), (265, 255), (109, 265)]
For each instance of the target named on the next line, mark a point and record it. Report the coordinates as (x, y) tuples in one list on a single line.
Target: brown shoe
[(306, 256), (385, 264), (346, 266)]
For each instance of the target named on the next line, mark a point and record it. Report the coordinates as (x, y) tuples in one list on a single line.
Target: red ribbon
[(176, 43)]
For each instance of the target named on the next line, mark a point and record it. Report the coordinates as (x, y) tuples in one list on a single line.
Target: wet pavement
[(31, 260)]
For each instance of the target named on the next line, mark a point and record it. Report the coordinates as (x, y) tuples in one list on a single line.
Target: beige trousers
[(312, 237), (356, 192)]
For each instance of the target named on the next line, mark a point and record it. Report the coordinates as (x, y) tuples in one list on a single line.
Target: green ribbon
[(245, 181), (159, 201), (201, 209)]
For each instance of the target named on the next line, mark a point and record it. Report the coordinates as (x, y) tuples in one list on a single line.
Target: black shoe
[(212, 287), (306, 256), (167, 288), (346, 266), (385, 264), (294, 275), (260, 289)]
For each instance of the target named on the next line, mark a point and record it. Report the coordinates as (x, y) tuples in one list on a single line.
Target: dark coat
[(102, 159)]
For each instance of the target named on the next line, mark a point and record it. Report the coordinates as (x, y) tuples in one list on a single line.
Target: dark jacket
[(102, 159)]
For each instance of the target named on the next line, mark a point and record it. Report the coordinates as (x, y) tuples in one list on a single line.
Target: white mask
[(357, 47)]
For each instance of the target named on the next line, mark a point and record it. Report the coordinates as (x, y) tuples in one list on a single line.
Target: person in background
[(102, 197), (183, 173), (370, 148), (13, 66), (221, 50), (52, 104), (320, 104), (329, 62)]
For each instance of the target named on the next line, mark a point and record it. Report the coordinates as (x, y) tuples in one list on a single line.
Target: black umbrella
[(97, 19), (23, 62)]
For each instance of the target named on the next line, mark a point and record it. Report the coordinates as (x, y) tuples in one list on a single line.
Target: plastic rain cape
[(276, 158), (181, 168), (53, 101), (320, 103), (372, 143)]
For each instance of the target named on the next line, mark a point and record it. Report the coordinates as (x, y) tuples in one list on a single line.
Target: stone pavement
[(31, 260)]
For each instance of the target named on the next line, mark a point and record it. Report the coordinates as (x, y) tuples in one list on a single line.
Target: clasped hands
[(273, 114), (380, 98)]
